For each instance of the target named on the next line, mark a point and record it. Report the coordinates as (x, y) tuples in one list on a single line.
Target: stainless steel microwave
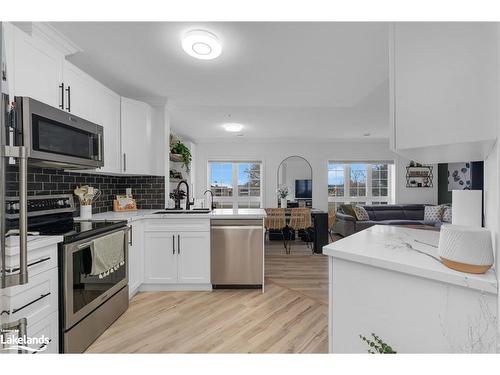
[(58, 139)]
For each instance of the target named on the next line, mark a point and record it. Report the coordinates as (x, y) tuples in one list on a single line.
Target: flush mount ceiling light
[(233, 127), (201, 44)]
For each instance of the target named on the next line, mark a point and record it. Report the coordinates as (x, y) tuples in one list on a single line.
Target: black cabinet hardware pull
[(173, 244), (61, 86), (15, 269), (31, 303), (68, 90), (131, 241), (178, 244)]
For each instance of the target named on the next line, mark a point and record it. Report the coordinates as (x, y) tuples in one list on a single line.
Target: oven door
[(60, 139), (83, 292)]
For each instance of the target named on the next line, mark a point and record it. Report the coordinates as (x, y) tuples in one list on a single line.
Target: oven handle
[(86, 244)]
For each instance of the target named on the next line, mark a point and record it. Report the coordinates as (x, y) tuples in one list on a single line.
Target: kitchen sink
[(194, 211)]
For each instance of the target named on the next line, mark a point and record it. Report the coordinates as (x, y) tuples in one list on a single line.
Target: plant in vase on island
[(282, 194)]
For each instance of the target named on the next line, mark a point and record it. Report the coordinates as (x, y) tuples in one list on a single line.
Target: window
[(236, 184), (359, 183)]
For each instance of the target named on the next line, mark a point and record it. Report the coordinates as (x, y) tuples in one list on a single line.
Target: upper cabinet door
[(137, 145), (37, 69), (106, 105), (79, 91), (444, 98)]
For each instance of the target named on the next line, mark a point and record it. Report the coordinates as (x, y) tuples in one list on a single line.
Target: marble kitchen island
[(389, 281)]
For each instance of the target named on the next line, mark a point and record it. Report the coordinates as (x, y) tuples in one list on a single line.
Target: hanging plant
[(180, 152)]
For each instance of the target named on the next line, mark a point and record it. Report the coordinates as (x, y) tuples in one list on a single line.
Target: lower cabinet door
[(160, 250), (194, 258)]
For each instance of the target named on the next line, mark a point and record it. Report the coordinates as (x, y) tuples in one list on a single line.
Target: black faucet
[(212, 203), (178, 201)]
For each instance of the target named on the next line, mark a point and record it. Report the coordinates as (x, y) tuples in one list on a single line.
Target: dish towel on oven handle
[(107, 254)]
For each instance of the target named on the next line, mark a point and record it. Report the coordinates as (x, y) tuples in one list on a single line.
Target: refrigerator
[(11, 153)]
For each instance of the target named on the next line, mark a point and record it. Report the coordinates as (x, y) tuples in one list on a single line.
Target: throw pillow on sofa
[(433, 213), (361, 213), (348, 209), (447, 214)]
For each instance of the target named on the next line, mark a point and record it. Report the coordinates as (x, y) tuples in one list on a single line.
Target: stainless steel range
[(93, 276)]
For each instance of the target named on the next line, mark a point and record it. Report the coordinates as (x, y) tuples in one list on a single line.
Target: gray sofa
[(386, 214)]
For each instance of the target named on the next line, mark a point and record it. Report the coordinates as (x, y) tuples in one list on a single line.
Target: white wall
[(271, 153)]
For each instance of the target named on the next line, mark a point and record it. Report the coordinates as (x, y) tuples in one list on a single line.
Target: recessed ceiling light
[(233, 127), (201, 44)]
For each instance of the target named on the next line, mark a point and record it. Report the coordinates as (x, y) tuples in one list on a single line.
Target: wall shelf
[(419, 176)]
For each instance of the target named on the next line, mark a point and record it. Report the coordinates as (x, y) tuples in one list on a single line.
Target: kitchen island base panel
[(410, 313)]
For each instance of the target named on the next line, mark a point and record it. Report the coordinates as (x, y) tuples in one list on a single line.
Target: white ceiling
[(282, 80)]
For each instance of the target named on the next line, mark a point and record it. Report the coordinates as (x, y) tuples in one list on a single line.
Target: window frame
[(368, 198), (235, 199)]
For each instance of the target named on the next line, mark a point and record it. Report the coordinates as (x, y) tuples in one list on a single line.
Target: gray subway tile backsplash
[(147, 190)]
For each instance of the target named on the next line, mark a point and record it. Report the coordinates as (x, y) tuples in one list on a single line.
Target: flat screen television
[(303, 189)]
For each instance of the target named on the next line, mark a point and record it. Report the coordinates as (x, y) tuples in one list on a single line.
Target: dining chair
[(275, 220), (300, 219), (331, 222)]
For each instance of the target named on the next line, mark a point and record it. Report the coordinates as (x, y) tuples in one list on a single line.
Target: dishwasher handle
[(244, 227)]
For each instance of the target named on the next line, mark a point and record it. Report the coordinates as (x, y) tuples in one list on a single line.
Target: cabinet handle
[(30, 303), (15, 269), (61, 86), (68, 90), (130, 240), (124, 162), (178, 244), (173, 244)]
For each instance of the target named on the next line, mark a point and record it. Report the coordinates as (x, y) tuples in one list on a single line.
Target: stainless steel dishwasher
[(237, 259)]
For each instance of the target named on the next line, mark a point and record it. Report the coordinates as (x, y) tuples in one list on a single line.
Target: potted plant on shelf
[(179, 152)]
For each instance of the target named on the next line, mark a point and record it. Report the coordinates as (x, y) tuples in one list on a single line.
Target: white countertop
[(241, 213), (34, 242), (406, 250), (252, 213)]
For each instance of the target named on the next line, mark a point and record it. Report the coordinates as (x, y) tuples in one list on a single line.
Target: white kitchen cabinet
[(160, 258), (177, 254), (37, 69), (7, 69), (79, 92), (194, 256), (443, 90), (107, 114), (137, 144), (135, 258)]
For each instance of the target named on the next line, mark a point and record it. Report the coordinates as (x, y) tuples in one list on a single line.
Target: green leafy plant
[(376, 345), (181, 149)]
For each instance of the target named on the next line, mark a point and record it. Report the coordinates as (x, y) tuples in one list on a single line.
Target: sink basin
[(194, 211)]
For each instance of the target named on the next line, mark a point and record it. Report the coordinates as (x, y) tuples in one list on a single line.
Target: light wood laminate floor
[(290, 317)]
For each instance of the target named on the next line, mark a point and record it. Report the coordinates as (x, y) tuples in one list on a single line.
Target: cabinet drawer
[(47, 327), (39, 260), (34, 300), (177, 225)]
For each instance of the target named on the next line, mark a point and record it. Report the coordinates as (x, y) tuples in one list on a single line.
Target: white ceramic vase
[(283, 203), (86, 212)]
